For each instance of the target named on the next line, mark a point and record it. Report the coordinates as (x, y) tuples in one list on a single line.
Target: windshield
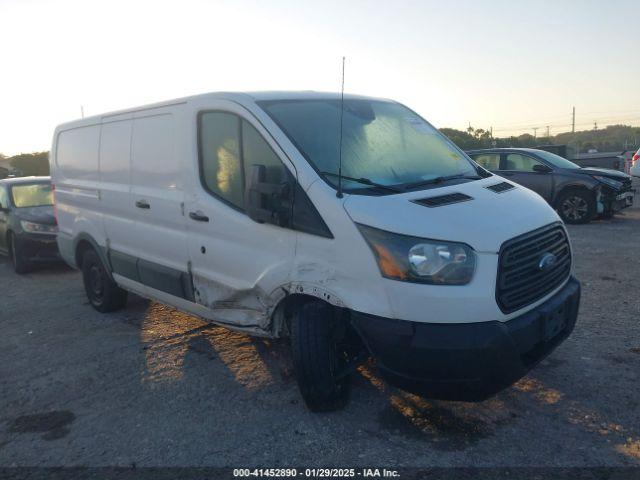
[(383, 142), (32, 195), (556, 160)]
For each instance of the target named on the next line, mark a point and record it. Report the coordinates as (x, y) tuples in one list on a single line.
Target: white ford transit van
[(230, 206)]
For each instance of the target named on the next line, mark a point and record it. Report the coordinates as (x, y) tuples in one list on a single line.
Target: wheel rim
[(575, 208), (96, 283)]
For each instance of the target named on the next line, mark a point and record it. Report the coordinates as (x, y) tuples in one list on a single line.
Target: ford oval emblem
[(547, 260)]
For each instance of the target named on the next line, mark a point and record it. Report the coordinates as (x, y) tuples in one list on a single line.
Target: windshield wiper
[(364, 181), (437, 180)]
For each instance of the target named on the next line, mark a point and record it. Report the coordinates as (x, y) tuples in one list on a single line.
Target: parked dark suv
[(578, 194), (27, 222)]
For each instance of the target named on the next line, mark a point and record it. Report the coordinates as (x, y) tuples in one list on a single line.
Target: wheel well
[(571, 188), (83, 246), (284, 311)]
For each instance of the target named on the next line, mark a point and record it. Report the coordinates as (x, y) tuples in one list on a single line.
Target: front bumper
[(614, 201), (39, 247), (468, 361), (623, 200)]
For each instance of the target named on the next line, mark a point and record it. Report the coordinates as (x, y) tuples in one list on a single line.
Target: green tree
[(31, 163), (614, 138)]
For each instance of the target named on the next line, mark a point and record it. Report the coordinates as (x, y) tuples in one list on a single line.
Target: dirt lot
[(155, 387)]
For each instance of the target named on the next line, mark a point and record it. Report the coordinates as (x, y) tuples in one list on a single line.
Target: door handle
[(143, 204), (198, 216)]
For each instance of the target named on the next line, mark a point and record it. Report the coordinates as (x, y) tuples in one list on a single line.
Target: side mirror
[(541, 168), (267, 202)]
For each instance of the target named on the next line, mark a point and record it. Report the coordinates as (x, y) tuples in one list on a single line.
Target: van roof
[(304, 95), (238, 96)]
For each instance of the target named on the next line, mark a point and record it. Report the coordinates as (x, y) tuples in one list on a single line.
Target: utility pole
[(535, 132), (548, 137), (595, 125), (573, 121), (82, 111)]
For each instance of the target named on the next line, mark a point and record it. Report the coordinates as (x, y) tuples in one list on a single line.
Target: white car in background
[(635, 165)]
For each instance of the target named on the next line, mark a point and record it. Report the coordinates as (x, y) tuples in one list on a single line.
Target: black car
[(578, 194), (27, 221)]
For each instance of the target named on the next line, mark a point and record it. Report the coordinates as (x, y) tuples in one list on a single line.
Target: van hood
[(485, 222)]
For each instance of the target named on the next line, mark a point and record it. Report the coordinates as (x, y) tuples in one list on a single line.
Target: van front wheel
[(318, 358), (102, 292)]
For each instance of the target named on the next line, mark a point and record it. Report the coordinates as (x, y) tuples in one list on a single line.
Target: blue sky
[(510, 65)]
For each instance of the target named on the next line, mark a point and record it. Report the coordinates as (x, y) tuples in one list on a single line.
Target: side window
[(490, 161), (522, 163), (221, 169), (77, 153), (256, 151), (229, 147)]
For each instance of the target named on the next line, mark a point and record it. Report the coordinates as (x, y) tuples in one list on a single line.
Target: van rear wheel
[(319, 358), (103, 293)]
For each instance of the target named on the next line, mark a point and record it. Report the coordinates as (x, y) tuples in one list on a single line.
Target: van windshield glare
[(382, 141)]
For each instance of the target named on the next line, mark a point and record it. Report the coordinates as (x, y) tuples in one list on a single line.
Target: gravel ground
[(154, 387)]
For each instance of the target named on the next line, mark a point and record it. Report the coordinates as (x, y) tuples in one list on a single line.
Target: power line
[(630, 121), (631, 115)]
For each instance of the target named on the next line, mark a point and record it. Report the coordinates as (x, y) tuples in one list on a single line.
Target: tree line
[(26, 164), (614, 138)]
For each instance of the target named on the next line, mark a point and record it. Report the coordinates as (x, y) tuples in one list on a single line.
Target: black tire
[(18, 260), (576, 206), (608, 214), (102, 292), (316, 358)]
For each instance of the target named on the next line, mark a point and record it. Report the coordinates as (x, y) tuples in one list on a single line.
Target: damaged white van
[(353, 227)]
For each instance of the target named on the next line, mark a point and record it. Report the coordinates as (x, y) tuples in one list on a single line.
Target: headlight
[(37, 227), (418, 260), (609, 182)]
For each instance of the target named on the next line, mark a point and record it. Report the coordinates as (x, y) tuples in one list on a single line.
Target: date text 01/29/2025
[(316, 472)]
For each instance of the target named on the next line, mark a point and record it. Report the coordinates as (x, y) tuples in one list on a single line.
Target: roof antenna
[(339, 192)]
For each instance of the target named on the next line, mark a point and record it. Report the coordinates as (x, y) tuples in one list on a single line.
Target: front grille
[(520, 280), (500, 187), (442, 200)]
